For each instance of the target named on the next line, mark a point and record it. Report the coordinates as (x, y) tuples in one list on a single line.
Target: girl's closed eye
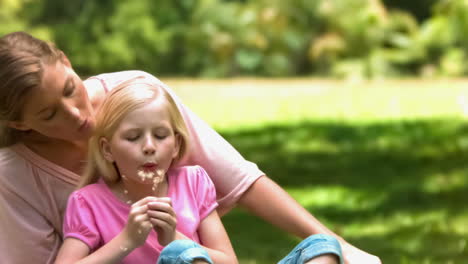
[(160, 135), (132, 136)]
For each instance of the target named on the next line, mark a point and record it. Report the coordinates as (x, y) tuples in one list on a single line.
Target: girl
[(46, 117), (132, 196)]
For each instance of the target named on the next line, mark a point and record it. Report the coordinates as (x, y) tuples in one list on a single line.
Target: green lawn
[(384, 164)]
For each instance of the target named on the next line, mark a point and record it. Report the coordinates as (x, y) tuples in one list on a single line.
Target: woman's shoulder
[(113, 79), (12, 162), (15, 173)]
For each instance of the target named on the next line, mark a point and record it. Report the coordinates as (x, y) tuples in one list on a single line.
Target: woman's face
[(60, 107)]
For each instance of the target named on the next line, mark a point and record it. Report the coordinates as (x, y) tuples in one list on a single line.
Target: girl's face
[(143, 141), (60, 107)]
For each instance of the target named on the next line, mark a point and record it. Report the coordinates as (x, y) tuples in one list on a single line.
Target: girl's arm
[(76, 251), (211, 231), (215, 240), (132, 236), (284, 212)]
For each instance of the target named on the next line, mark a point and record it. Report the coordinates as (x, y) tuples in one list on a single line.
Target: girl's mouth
[(147, 167)]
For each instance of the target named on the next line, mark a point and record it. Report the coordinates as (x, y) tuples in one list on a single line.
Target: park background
[(356, 107)]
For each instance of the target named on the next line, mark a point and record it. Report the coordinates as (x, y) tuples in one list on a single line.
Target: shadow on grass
[(409, 177)]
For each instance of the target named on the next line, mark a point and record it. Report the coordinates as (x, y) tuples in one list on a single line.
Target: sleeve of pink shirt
[(205, 192), (231, 174), (79, 222)]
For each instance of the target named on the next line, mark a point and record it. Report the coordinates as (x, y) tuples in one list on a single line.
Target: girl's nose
[(149, 146)]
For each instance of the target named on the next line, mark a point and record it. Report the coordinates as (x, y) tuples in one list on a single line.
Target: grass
[(384, 164)]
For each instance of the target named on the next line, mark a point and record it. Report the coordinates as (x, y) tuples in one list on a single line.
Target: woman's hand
[(163, 219), (138, 224), (353, 255)]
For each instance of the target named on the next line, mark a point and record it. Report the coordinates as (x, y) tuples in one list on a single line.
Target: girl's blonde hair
[(22, 61), (123, 99)]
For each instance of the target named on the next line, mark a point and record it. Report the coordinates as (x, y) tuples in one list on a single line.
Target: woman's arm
[(214, 239), (287, 214)]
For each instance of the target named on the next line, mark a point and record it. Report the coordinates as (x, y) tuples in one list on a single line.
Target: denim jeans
[(313, 246), (186, 251), (183, 252)]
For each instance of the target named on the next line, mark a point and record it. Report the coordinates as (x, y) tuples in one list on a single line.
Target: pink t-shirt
[(34, 191), (95, 215)]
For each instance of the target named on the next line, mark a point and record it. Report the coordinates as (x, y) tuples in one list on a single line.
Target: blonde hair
[(123, 99), (22, 60)]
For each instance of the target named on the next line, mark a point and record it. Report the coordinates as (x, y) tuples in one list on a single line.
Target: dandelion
[(157, 178), (124, 249)]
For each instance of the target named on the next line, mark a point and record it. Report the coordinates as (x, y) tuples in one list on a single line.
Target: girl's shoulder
[(92, 191), (193, 171), (194, 176)]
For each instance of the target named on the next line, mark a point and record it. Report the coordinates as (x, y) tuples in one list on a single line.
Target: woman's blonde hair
[(123, 99), (22, 61)]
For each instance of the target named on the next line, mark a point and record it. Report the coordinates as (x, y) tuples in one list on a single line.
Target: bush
[(218, 38)]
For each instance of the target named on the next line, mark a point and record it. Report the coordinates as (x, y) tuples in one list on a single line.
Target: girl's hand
[(163, 219), (138, 224)]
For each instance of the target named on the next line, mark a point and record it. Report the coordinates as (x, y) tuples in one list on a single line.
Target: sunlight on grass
[(445, 181), (385, 225), (237, 103), (337, 197), (459, 223)]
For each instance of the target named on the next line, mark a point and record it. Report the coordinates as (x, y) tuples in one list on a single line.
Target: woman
[(47, 116)]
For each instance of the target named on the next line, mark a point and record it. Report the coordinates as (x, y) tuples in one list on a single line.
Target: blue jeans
[(186, 251), (183, 252), (311, 247)]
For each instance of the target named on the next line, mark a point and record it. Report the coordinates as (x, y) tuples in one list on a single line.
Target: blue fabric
[(183, 252), (311, 247)]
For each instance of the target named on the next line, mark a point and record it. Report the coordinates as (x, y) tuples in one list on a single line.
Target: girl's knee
[(321, 249), (313, 249), (184, 251)]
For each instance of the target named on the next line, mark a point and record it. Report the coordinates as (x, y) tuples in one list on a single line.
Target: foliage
[(421, 9), (214, 38)]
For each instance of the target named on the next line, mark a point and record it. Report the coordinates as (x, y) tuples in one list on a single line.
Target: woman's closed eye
[(69, 90), (50, 116)]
